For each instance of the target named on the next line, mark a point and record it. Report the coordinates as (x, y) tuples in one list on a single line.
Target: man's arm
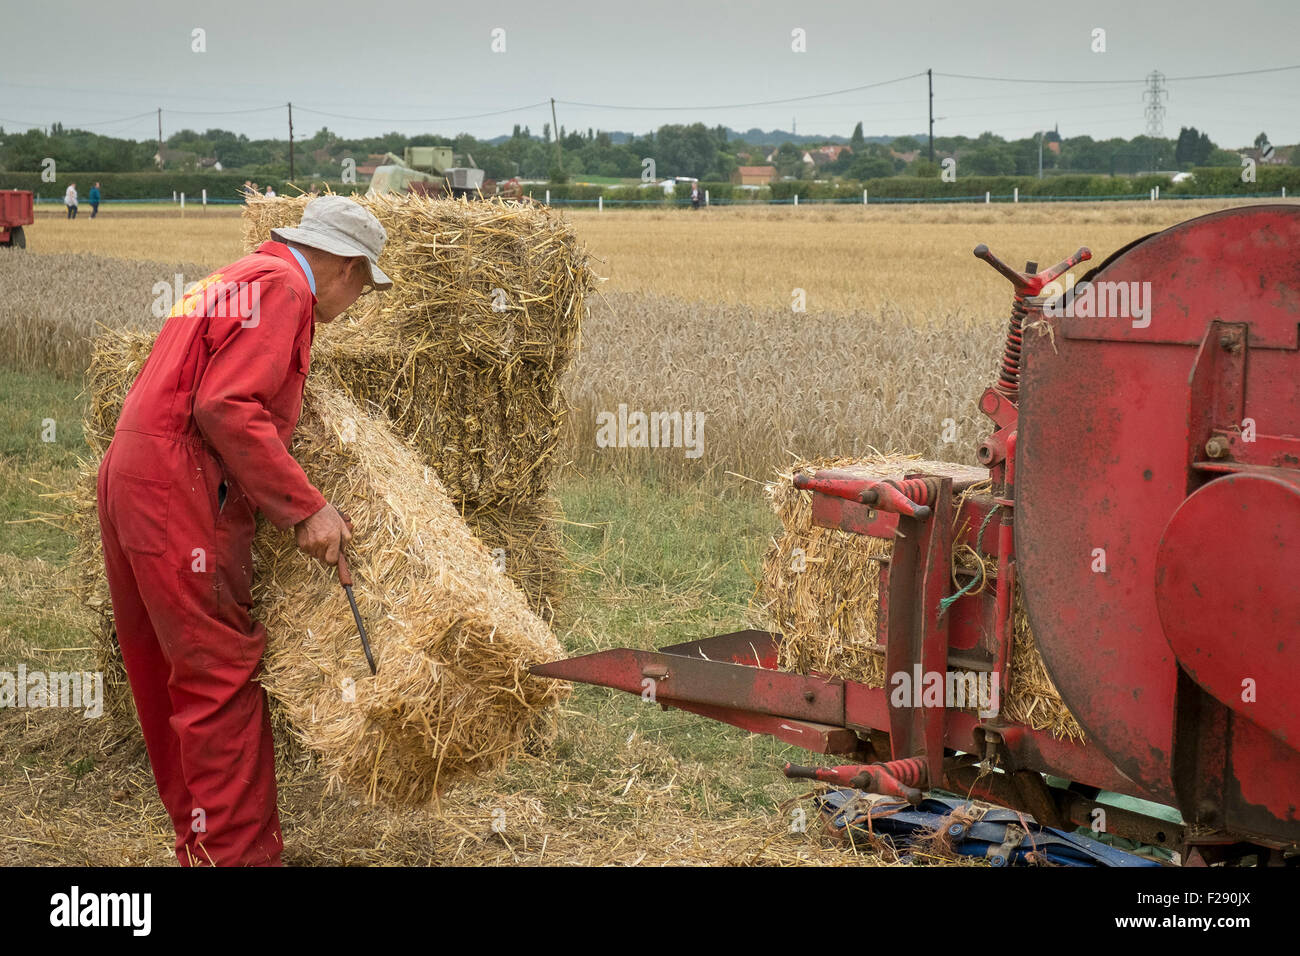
[(248, 366)]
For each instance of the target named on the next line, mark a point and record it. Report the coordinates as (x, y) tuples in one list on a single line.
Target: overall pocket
[(140, 512)]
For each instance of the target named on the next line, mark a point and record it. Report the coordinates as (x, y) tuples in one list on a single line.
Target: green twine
[(945, 603)]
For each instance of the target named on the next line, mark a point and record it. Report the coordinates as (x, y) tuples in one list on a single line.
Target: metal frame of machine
[(1157, 441)]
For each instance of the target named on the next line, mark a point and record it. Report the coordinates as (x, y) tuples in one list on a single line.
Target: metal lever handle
[(895, 778), (887, 496), (883, 495), (1031, 282), (345, 576)]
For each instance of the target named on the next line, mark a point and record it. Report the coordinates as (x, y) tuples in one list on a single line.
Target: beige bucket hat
[(342, 227)]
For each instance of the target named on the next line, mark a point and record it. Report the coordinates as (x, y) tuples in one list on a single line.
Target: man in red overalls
[(201, 447)]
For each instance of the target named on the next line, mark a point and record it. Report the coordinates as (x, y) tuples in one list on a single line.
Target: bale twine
[(827, 611)]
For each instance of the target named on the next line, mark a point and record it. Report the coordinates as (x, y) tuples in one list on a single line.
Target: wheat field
[(901, 331), (913, 259)]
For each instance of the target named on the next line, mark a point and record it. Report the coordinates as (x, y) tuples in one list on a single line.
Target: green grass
[(654, 565), (31, 466), (36, 616), (583, 178)]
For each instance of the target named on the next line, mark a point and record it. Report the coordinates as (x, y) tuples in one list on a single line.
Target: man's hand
[(322, 535)]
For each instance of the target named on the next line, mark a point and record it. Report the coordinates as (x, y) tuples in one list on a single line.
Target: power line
[(257, 109), (737, 106), (441, 119), (1219, 76), (71, 126), (103, 91), (1199, 76), (1010, 79)]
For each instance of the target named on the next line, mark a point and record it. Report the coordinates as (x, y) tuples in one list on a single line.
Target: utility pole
[(160, 146), (555, 131), (1040, 154), (929, 74), (291, 142), (1155, 95)]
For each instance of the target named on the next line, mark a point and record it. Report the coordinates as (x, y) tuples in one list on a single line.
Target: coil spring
[(1009, 374), (909, 771), (921, 490)]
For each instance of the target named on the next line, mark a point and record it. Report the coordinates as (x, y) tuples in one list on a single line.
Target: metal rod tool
[(345, 579)]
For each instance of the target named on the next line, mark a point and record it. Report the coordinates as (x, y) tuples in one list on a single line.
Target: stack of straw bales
[(453, 638), (465, 355), (827, 611)]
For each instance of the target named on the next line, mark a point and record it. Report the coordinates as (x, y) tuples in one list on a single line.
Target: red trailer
[(16, 211)]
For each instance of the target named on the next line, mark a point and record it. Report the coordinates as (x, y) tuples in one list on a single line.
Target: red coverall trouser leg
[(179, 567)]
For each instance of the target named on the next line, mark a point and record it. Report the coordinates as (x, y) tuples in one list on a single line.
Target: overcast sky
[(416, 67)]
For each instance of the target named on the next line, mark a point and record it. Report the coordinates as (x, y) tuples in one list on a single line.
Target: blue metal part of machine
[(1004, 837)]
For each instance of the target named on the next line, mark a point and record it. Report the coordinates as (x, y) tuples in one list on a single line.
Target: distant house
[(907, 157), (753, 175), (212, 163), (1280, 155), (367, 166), (167, 158), (825, 154)]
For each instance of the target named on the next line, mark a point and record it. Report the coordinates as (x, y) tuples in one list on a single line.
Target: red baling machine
[(1145, 468)]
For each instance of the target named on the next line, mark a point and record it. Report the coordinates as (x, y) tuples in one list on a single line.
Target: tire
[(17, 240)]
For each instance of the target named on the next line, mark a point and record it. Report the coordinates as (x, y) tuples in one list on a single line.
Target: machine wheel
[(16, 238)]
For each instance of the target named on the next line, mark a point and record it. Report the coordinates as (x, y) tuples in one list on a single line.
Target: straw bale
[(827, 612), (527, 536), (467, 350), (452, 636), (490, 433)]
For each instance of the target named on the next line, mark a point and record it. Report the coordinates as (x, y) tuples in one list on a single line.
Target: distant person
[(270, 193), (695, 196), (248, 189), (256, 191), (70, 200), (94, 200), (314, 192)]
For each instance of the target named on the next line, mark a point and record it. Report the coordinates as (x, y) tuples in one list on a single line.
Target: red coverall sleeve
[(246, 368)]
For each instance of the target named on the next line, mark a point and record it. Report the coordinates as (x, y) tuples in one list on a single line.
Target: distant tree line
[(693, 150)]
